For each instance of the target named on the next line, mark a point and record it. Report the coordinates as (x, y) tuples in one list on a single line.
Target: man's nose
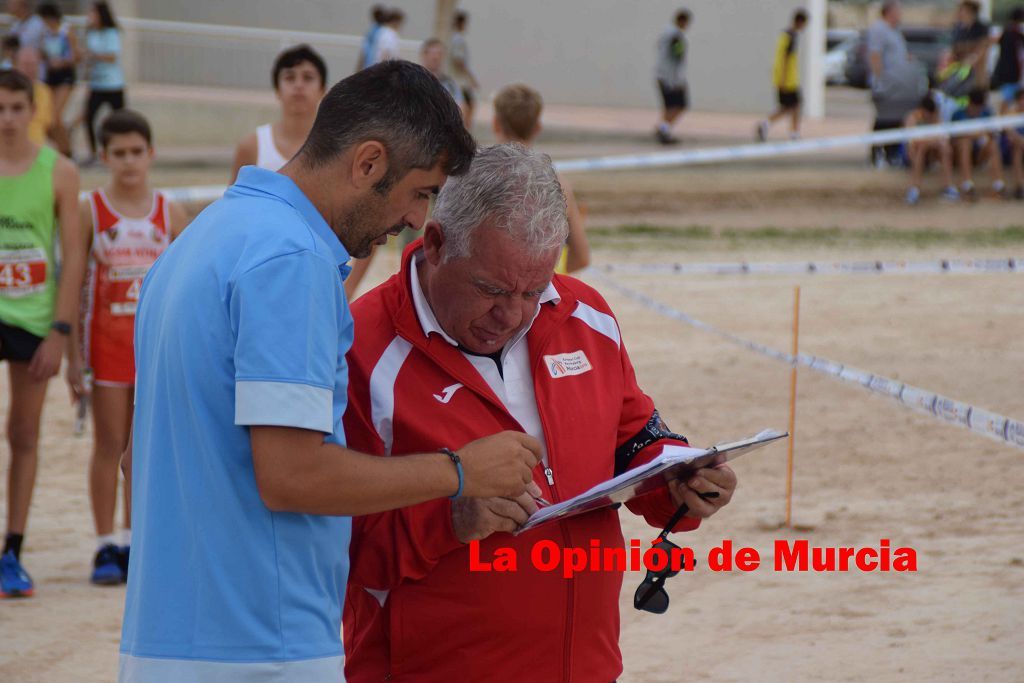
[(507, 313)]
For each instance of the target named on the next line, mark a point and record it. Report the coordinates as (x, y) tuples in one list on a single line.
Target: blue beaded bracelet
[(458, 468)]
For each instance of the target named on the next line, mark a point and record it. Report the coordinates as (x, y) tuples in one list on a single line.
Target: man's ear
[(369, 164), (433, 242)]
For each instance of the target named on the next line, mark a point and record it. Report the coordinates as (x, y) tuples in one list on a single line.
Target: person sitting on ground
[(299, 77), (974, 150), (1013, 145), (924, 150), (517, 111)]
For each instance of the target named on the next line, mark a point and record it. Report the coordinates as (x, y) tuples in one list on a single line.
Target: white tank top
[(267, 155)]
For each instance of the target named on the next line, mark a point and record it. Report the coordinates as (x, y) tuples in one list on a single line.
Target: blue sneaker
[(913, 196), (14, 580), (107, 567), (122, 560)]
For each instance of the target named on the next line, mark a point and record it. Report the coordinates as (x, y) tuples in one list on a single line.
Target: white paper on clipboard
[(675, 462)]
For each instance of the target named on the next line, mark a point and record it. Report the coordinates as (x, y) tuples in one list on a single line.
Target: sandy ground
[(866, 468)]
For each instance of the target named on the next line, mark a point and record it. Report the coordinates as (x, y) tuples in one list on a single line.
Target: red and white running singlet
[(123, 249)]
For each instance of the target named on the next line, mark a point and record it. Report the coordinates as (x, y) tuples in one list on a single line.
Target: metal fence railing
[(215, 55)]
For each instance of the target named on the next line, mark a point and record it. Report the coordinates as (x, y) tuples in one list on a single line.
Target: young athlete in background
[(129, 225), (517, 111), (38, 190), (300, 80)]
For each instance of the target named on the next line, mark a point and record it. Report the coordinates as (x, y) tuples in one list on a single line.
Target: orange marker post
[(792, 405)]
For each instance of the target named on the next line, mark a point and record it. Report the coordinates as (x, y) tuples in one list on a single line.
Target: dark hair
[(12, 42), (977, 96), (800, 17), (971, 6), (106, 14), (379, 14), (15, 81), (928, 104), (294, 56), (49, 10), (122, 122), (460, 19), (1017, 15), (402, 106), (683, 16)]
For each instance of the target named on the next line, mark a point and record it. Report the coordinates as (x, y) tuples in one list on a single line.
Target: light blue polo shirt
[(242, 321)]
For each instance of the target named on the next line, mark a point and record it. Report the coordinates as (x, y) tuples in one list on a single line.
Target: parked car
[(926, 45), (838, 43)]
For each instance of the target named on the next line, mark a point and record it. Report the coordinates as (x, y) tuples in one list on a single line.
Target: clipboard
[(675, 462)]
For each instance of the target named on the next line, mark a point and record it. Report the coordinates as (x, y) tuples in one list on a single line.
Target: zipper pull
[(549, 474)]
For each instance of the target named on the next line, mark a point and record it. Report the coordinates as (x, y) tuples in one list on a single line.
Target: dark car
[(926, 45)]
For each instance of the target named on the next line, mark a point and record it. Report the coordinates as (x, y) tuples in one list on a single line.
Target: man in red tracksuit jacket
[(473, 336)]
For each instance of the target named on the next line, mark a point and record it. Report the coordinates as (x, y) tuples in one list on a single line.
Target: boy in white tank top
[(300, 80)]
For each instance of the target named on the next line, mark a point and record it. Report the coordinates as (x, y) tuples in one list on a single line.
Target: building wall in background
[(593, 52)]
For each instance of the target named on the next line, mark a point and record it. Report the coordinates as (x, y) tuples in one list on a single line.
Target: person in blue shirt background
[(103, 61), (240, 475), (976, 149)]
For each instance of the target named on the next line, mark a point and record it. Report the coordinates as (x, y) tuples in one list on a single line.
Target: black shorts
[(55, 77), (17, 344), (789, 99), (674, 98)]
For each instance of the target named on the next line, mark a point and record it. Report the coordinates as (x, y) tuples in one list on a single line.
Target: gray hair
[(511, 188)]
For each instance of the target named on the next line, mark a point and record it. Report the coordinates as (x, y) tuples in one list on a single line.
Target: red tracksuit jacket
[(414, 611)]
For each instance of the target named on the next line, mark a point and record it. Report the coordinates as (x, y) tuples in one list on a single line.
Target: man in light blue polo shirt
[(240, 553)]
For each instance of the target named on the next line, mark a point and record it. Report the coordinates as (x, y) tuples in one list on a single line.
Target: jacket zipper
[(549, 474)]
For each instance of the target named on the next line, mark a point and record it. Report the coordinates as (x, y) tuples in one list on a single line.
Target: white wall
[(595, 52)]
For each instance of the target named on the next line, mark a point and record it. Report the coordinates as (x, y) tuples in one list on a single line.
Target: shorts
[(789, 99), (16, 344), (55, 77), (468, 96), (1006, 147), (674, 98), (1008, 91)]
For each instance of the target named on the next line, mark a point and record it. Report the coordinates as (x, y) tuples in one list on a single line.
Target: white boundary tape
[(978, 420), (202, 194), (209, 193), (958, 266), (791, 148)]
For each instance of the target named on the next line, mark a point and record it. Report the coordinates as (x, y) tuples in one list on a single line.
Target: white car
[(838, 42)]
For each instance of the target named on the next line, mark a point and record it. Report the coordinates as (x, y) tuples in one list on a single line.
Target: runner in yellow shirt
[(786, 79)]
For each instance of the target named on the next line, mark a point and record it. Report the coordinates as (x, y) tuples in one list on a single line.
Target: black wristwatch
[(61, 327)]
